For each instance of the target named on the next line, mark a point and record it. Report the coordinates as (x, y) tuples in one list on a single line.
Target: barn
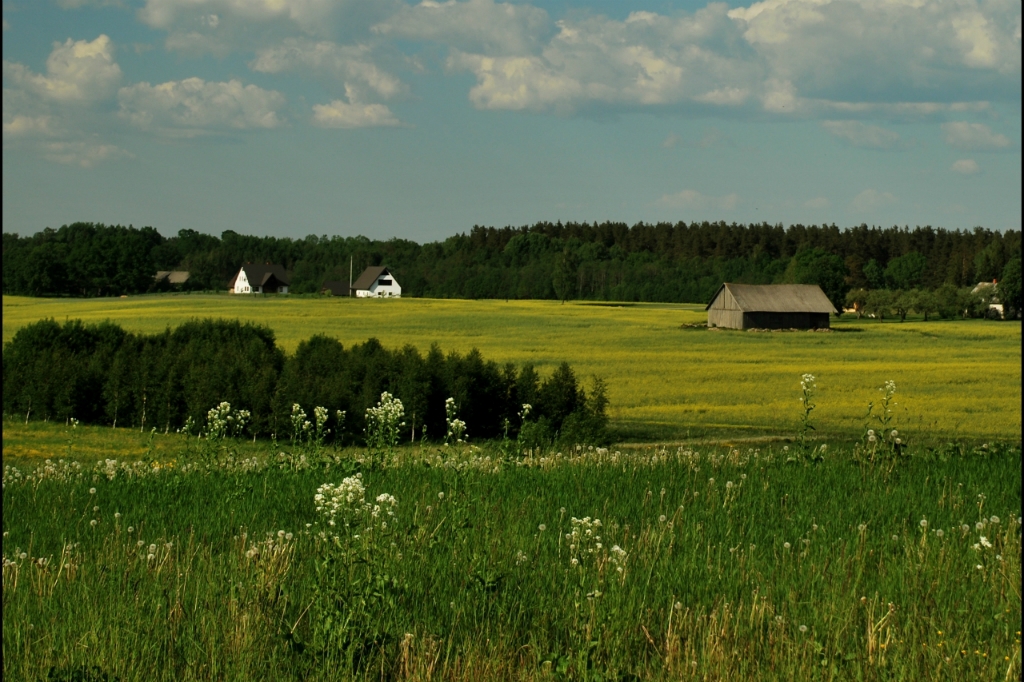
[(377, 282), (770, 306)]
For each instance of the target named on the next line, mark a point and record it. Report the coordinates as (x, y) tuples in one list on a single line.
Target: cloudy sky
[(389, 118)]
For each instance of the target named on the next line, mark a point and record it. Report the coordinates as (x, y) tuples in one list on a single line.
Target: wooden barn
[(770, 306)]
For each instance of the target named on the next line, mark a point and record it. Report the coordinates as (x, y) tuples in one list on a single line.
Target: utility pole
[(350, 259)]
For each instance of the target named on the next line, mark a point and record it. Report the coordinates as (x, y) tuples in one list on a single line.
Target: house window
[(384, 282)]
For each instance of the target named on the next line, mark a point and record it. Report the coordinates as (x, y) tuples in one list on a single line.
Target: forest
[(102, 374), (609, 261)]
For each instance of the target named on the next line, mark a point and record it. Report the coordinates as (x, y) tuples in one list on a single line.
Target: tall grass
[(734, 564)]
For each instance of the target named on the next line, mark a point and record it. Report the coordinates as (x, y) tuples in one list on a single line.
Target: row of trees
[(947, 301), (608, 261), (101, 374)]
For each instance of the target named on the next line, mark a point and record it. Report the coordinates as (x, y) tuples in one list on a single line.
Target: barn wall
[(730, 319), (785, 321)]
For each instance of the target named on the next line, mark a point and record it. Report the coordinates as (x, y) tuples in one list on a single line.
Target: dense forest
[(101, 374), (609, 261)]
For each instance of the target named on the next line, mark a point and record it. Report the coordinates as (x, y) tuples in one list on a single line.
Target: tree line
[(102, 374), (671, 262)]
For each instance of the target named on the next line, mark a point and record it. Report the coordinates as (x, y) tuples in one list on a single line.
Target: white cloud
[(350, 64), (965, 167), (480, 26), (76, 71), (84, 154), (817, 203), (863, 135), (973, 136), (647, 59), (352, 114), (193, 106), (307, 14), (19, 125), (871, 200), (693, 200)]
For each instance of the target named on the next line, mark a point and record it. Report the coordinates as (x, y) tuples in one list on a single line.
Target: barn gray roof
[(370, 276), (777, 298)]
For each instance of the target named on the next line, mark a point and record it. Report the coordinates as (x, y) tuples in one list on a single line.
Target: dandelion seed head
[(786, 545), (542, 528), (92, 491), (803, 628)]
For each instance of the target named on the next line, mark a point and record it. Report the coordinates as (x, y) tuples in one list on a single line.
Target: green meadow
[(667, 381)]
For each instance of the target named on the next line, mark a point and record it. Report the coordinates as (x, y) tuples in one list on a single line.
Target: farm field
[(658, 563), (956, 379)]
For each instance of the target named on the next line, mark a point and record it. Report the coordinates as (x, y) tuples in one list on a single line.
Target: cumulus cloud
[(164, 14), (965, 167), (350, 64), (863, 135), (193, 106), (870, 200), (973, 136), (479, 26), (692, 200), (76, 71), (342, 114), (84, 154)]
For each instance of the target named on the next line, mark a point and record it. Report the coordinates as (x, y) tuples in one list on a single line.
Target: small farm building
[(174, 278), (770, 306), (261, 279), (377, 282)]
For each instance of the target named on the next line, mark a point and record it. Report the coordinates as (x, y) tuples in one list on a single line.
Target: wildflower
[(575, 562), (983, 541), (994, 519), (786, 545), (542, 528), (150, 556), (979, 567), (728, 485), (678, 606), (92, 491), (440, 496), (862, 527), (979, 525), (661, 518), (803, 628), (288, 537), (814, 526), (965, 529), (895, 538), (280, 533), (96, 509), (871, 433), (131, 529), (711, 481), (93, 523), (894, 433), (924, 523), (140, 543), (939, 533), (824, 447), (152, 549), (117, 515), (23, 556)]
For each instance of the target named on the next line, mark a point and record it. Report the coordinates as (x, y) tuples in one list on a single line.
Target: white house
[(260, 279), (377, 282)]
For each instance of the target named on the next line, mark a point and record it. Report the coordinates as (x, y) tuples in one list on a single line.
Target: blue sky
[(391, 119)]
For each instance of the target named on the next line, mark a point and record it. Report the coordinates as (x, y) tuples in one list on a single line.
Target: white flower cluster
[(223, 421), (618, 558), (301, 427), (344, 505), (807, 382), (456, 427), (583, 538), (384, 421)]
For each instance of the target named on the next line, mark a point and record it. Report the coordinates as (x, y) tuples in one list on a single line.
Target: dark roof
[(777, 298), (369, 276), (336, 287), (172, 276), (260, 275)]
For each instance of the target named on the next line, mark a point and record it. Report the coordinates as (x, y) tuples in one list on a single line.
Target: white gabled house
[(377, 282), (260, 279)]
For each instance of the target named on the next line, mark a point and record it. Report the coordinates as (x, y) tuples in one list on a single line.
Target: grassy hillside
[(666, 381)]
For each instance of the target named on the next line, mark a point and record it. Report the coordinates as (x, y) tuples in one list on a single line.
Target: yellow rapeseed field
[(955, 379)]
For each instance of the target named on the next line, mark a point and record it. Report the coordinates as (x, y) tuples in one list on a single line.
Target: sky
[(386, 118)]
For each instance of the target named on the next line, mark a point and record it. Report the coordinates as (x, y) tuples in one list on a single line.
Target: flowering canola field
[(956, 379)]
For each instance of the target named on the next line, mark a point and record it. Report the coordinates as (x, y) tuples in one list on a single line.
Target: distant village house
[(377, 282), (260, 279), (770, 306)]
